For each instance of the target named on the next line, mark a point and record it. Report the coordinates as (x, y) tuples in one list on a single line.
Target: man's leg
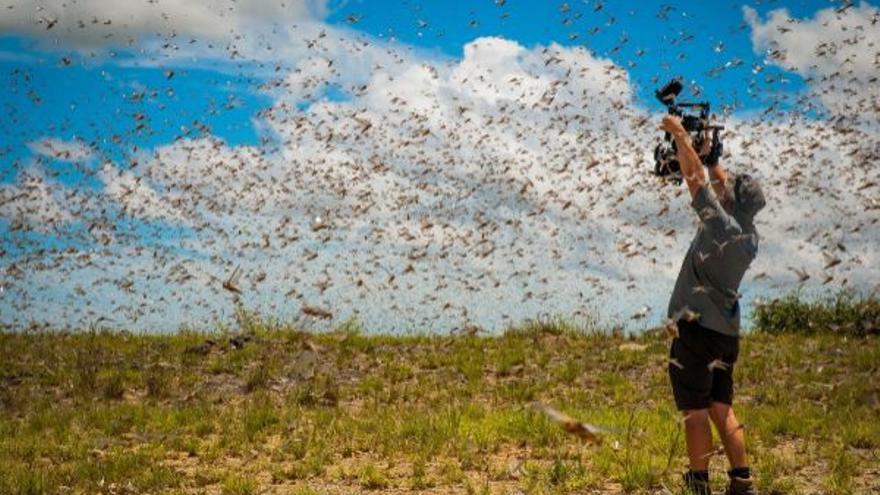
[(698, 436), (691, 388), (732, 435)]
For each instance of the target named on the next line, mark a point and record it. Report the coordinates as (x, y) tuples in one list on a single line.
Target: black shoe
[(695, 486), (741, 486)]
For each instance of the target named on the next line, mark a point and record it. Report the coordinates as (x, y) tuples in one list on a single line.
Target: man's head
[(748, 198)]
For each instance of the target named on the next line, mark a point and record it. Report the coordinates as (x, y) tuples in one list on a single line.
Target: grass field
[(272, 409)]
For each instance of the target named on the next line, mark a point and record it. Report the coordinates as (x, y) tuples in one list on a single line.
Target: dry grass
[(288, 411)]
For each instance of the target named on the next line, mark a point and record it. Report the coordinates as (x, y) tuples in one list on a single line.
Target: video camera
[(666, 153)]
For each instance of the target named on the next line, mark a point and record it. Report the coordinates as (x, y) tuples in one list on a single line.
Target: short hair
[(748, 197)]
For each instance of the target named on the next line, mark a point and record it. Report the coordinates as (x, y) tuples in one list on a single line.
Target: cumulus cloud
[(136, 196), (838, 50), (95, 23), (59, 149), (33, 203), (510, 184)]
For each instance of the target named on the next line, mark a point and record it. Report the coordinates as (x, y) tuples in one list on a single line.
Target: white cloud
[(136, 196), (838, 51), (33, 203), (95, 23), (508, 184), (70, 151)]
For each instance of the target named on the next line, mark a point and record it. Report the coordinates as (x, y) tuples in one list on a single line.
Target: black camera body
[(666, 153)]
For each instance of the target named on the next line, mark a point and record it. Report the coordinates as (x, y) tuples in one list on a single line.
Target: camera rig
[(666, 153)]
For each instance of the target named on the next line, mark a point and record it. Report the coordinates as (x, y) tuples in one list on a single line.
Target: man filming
[(705, 306)]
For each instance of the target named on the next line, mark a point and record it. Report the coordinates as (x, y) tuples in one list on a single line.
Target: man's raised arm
[(691, 166), (718, 177)]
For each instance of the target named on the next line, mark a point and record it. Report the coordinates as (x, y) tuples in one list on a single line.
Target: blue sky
[(716, 33), (93, 101), (130, 102)]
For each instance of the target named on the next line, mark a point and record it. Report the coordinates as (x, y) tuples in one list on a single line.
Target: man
[(705, 307)]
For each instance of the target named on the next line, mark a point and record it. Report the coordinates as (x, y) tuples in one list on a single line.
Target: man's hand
[(718, 176), (672, 125), (706, 146), (715, 150), (691, 166)]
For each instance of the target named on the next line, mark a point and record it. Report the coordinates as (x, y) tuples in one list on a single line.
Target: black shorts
[(694, 384)]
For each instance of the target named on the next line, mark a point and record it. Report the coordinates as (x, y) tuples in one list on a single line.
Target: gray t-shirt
[(713, 268)]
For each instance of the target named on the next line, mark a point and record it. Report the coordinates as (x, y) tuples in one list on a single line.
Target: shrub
[(157, 381), (371, 478), (112, 384), (320, 389), (258, 417), (258, 378), (238, 485), (845, 312)]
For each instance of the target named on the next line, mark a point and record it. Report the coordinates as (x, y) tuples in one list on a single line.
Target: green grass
[(238, 485), (84, 412)]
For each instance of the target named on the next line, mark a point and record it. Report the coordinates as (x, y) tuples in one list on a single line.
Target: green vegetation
[(289, 411), (845, 312)]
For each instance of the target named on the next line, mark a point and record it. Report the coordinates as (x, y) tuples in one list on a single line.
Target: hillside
[(272, 409)]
